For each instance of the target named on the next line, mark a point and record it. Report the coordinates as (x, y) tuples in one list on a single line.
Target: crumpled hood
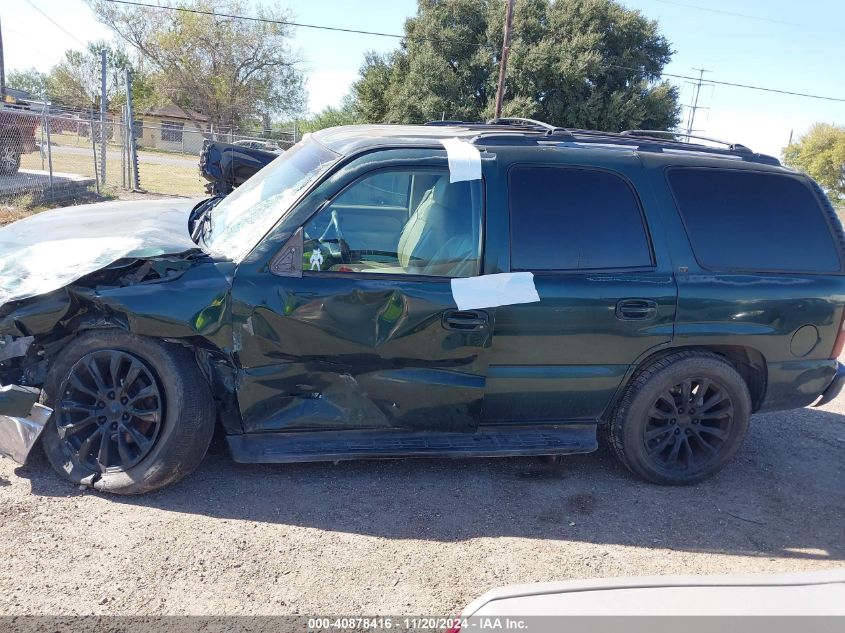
[(50, 250)]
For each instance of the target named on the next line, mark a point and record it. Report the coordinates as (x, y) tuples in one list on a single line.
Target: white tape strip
[(490, 291), (464, 160)]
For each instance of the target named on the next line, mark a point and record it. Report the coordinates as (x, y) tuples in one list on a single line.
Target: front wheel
[(131, 414), (681, 419)]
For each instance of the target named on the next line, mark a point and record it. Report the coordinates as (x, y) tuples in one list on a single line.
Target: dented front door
[(366, 334), (358, 353)]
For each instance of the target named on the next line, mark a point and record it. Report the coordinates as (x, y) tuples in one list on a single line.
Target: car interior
[(399, 222)]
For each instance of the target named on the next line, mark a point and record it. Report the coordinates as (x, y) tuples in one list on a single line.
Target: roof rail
[(534, 131), (436, 123), (532, 124), (734, 147)]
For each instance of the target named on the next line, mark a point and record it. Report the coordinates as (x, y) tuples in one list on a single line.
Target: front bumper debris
[(835, 386), (22, 419)]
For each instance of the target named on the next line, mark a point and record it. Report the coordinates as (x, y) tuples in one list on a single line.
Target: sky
[(783, 45)]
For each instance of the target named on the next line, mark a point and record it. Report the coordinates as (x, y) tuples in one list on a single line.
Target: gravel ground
[(413, 536)]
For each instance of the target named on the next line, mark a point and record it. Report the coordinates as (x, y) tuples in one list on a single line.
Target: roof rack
[(734, 147), (533, 124), (513, 130)]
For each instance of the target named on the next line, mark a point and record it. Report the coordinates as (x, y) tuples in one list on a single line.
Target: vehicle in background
[(18, 120), (227, 165), (464, 290), (267, 146), (798, 594)]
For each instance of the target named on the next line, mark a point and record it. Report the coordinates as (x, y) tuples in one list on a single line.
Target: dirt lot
[(412, 537)]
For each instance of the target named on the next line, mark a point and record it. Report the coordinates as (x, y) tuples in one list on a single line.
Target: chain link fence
[(54, 156)]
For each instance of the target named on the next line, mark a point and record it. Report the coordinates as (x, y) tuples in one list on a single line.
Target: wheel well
[(749, 363)]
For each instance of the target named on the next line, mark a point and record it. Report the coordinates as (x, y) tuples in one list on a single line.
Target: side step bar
[(332, 446)]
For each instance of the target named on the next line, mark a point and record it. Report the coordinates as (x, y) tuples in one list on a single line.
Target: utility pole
[(503, 64), (694, 107), (103, 106)]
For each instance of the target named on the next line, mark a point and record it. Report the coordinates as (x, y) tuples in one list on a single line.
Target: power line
[(255, 19), (59, 26), (403, 37), (749, 16)]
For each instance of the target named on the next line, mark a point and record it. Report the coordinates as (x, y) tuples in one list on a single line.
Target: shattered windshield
[(246, 215)]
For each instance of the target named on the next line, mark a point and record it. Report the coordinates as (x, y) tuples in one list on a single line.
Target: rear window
[(745, 220), (574, 219)]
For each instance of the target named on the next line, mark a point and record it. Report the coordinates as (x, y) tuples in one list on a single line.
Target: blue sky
[(798, 47)]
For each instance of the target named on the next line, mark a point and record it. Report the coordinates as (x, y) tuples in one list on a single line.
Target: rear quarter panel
[(791, 319)]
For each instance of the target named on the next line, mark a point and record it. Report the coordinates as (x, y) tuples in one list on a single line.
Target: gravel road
[(413, 536)]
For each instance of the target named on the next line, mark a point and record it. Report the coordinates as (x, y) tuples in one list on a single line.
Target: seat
[(438, 235)]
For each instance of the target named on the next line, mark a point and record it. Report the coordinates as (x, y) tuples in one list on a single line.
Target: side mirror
[(288, 261)]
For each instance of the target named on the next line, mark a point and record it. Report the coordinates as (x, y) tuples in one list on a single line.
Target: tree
[(346, 114), (30, 81), (821, 153), (230, 70), (573, 63), (75, 80)]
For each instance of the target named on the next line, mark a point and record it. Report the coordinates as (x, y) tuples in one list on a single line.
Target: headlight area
[(22, 418)]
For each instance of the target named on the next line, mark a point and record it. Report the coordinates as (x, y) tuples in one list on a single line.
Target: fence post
[(124, 143), (103, 106), (94, 150), (49, 153), (130, 129)]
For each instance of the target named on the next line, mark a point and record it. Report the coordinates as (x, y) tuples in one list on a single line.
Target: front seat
[(440, 219)]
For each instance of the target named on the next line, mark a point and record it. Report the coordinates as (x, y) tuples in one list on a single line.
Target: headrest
[(449, 194)]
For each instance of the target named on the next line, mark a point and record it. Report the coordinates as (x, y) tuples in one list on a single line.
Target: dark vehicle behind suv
[(464, 290)]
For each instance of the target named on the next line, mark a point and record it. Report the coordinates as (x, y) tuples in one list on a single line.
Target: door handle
[(464, 320), (636, 309)]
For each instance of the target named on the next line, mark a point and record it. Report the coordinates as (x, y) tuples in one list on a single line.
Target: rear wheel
[(10, 156), (131, 414), (681, 419)]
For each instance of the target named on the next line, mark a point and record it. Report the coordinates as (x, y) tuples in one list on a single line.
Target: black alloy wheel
[(688, 425), (111, 410)]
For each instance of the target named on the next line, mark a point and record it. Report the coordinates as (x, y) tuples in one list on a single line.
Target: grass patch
[(169, 179)]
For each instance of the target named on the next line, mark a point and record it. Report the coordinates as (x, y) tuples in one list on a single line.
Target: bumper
[(22, 420), (834, 388)]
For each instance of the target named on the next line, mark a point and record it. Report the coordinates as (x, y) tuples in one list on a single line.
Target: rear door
[(607, 292)]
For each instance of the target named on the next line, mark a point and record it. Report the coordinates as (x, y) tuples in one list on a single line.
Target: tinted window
[(574, 219), (743, 220)]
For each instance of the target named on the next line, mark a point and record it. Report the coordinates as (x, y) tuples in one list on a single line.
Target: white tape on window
[(490, 291), (464, 160)]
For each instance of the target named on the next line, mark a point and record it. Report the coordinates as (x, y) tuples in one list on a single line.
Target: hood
[(50, 250)]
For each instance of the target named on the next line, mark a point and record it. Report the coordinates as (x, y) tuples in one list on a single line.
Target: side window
[(753, 221), (574, 219), (399, 221)]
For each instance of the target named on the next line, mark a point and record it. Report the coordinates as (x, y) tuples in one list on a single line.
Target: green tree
[(573, 63), (232, 71), (75, 80), (821, 153), (30, 81), (346, 114)]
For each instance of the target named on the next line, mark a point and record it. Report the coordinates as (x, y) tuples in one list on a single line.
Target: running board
[(342, 445)]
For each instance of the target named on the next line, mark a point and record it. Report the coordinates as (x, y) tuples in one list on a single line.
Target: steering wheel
[(345, 251)]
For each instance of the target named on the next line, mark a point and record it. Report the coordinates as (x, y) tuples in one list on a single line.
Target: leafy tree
[(30, 81), (75, 80), (821, 153), (346, 114), (230, 70), (573, 63)]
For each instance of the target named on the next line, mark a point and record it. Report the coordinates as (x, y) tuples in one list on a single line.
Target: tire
[(159, 414), (656, 434), (10, 156)]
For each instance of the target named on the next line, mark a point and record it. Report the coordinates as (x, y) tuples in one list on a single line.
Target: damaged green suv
[(454, 290)]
